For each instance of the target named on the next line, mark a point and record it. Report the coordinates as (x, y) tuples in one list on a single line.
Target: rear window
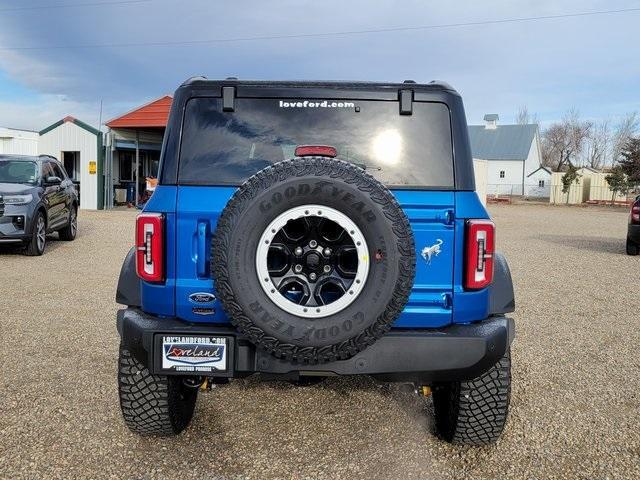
[(226, 148)]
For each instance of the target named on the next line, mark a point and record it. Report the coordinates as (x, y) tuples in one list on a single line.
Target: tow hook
[(424, 390), (194, 382), (209, 383)]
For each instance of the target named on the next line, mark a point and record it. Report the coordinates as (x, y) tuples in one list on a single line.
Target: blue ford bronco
[(307, 229)]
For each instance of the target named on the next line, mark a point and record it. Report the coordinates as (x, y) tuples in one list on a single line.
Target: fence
[(498, 190), (590, 187)]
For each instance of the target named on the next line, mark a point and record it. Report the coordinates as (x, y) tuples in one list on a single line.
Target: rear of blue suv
[(307, 229)]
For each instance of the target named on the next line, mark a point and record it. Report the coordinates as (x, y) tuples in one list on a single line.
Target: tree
[(626, 129), (618, 182), (570, 177), (598, 143), (563, 141), (523, 117), (629, 160)]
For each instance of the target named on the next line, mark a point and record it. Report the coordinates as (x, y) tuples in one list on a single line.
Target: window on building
[(541, 183), (501, 173)]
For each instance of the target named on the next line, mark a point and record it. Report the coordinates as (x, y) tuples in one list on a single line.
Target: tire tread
[(151, 404), (474, 412), (320, 167)]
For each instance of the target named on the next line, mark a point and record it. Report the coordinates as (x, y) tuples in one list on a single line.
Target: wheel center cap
[(313, 260)]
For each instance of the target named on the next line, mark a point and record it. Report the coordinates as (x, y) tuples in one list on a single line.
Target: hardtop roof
[(434, 85)]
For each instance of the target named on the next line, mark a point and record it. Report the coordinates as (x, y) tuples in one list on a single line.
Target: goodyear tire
[(345, 223)]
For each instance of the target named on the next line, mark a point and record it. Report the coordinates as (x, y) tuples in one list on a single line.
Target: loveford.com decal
[(315, 104), (194, 354)]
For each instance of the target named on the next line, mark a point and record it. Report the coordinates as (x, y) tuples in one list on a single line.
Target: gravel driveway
[(575, 405)]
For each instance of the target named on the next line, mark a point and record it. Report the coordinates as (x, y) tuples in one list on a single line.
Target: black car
[(633, 234), (36, 198)]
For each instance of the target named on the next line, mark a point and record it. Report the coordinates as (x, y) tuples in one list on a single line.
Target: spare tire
[(313, 259)]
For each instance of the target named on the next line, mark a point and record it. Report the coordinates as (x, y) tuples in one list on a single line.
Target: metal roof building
[(18, 142), (151, 115), (514, 154), (79, 147), (506, 142), (133, 143)]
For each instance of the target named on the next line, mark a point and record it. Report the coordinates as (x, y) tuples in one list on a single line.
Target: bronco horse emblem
[(433, 251)]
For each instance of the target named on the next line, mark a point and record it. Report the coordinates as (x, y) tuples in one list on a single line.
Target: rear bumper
[(634, 233), (457, 352)]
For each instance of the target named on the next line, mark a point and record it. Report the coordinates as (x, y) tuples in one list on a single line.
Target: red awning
[(153, 114)]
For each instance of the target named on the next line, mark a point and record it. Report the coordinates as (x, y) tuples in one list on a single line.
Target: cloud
[(550, 65)]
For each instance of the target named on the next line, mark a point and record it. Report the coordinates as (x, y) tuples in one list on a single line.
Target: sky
[(66, 57)]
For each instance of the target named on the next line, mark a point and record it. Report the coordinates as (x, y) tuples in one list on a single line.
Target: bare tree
[(523, 117), (598, 144), (564, 141), (627, 128)]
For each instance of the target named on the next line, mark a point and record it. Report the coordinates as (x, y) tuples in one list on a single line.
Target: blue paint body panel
[(431, 216), (437, 219), (468, 306), (159, 299)]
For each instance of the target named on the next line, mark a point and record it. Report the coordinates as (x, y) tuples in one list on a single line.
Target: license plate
[(196, 353)]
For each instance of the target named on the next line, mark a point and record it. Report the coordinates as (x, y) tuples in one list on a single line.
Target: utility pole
[(135, 202)]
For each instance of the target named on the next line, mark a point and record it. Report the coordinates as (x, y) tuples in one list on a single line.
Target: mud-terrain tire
[(632, 248), (474, 412), (153, 404), (339, 186)]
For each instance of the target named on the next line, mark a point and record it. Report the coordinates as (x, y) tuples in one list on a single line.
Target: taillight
[(635, 213), (480, 244), (313, 150), (150, 247)]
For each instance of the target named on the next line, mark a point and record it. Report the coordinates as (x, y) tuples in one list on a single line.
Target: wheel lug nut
[(312, 276), (297, 268), (327, 252), (327, 269), (313, 244), (298, 251)]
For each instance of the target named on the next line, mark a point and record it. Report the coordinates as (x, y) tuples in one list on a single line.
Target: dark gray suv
[(36, 198)]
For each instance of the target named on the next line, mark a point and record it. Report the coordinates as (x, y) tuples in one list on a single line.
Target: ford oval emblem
[(202, 297)]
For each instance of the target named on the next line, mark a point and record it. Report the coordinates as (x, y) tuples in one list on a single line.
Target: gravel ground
[(575, 402)]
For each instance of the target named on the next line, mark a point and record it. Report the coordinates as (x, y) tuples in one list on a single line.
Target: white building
[(538, 183), (513, 153), (480, 169), (18, 142), (79, 147)]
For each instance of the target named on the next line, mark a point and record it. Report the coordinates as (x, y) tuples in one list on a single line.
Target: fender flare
[(501, 296), (128, 292)]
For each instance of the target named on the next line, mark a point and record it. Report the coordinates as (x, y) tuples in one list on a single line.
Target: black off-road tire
[(153, 404), (366, 202), (632, 248), (474, 412), (68, 233)]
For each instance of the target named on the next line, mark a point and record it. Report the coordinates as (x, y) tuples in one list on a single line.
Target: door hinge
[(447, 301), (406, 102), (228, 99), (450, 216)]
